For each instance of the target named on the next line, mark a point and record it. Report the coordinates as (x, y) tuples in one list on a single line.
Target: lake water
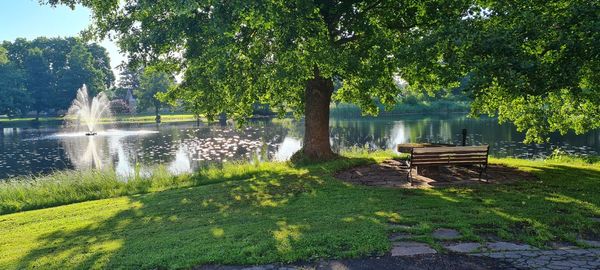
[(183, 147)]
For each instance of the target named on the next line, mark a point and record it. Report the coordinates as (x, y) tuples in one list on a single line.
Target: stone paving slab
[(446, 234), (549, 259), (409, 248), (402, 227), (469, 247)]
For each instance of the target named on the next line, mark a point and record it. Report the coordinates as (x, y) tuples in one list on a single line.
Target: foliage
[(15, 100), (3, 56), (119, 106), (117, 93), (130, 77), (152, 82), (408, 107), (289, 214), (81, 71), (128, 118), (38, 80), (53, 69), (532, 62)]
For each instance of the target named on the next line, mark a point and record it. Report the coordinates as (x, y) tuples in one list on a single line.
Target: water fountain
[(89, 112)]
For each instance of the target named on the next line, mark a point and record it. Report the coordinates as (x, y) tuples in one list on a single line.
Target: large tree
[(80, 70), (14, 99), (532, 62), (38, 80), (152, 82), (54, 68)]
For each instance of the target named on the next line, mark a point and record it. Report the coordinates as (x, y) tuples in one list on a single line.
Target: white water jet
[(89, 112)]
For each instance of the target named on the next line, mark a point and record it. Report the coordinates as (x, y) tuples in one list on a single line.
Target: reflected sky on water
[(183, 147)]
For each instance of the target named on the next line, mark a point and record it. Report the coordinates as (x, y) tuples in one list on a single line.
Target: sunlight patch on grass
[(217, 232), (285, 234), (559, 198)]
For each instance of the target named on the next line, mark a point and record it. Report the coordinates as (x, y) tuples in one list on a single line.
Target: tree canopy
[(44, 74), (12, 88), (534, 63), (531, 62), (152, 82)]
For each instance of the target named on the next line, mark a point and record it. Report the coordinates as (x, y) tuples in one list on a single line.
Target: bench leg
[(483, 169)]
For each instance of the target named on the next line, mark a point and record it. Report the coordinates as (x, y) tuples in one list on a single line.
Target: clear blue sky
[(28, 19)]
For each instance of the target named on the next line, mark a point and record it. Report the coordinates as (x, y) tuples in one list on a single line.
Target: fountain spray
[(89, 111)]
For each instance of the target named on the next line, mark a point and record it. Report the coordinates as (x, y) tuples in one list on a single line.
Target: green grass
[(274, 212), (65, 187), (152, 118), (117, 119)]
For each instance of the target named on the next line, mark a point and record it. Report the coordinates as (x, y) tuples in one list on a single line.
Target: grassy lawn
[(152, 118), (116, 119), (248, 214)]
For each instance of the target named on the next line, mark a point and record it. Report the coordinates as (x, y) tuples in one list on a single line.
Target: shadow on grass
[(290, 216)]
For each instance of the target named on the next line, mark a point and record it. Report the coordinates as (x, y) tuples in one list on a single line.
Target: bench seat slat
[(455, 149), (448, 163), (446, 155), (451, 159)]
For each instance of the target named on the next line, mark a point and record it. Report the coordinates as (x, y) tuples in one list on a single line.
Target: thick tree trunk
[(157, 118), (316, 135), (223, 119)]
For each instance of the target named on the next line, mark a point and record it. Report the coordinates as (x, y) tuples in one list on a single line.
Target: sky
[(28, 19)]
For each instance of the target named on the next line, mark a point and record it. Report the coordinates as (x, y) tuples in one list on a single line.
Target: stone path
[(520, 256), (407, 248), (550, 259), (446, 234)]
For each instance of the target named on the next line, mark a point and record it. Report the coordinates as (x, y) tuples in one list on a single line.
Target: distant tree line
[(43, 75)]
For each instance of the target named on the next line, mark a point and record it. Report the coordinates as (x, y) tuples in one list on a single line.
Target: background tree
[(288, 54), (55, 68), (38, 80), (152, 82), (15, 100), (101, 62), (117, 93), (130, 77), (80, 71)]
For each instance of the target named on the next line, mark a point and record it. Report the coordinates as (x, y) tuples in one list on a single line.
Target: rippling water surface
[(183, 147)]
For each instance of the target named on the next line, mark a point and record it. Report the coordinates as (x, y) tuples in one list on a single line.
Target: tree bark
[(157, 118), (316, 108), (223, 119)]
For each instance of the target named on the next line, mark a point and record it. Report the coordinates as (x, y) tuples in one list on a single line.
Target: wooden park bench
[(453, 155)]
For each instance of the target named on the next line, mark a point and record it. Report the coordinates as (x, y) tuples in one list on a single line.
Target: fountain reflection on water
[(120, 150)]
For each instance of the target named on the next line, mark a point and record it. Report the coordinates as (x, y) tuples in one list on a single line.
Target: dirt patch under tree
[(393, 173)]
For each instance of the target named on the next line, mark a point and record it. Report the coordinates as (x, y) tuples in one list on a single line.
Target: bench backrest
[(449, 155)]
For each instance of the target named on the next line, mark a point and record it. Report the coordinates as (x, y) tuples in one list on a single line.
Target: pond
[(183, 147)]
